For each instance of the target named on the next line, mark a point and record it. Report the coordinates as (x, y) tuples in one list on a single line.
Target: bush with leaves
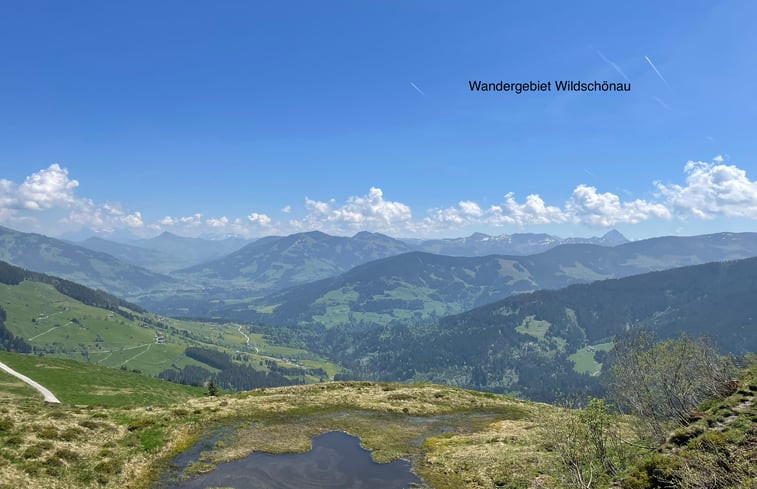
[(663, 382), (588, 445)]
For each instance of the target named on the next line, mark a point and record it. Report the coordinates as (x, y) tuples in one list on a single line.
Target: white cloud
[(133, 220), (217, 223), (7, 194), (47, 189), (587, 206), (192, 221), (470, 208), (533, 211), (712, 190), (260, 219), (370, 212), (45, 201), (467, 212)]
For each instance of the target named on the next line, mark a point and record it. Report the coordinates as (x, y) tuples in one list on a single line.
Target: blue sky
[(257, 118)]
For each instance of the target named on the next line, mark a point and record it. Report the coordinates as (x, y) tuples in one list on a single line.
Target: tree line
[(231, 376)]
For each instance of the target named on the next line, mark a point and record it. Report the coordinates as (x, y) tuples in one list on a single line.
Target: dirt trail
[(49, 397)]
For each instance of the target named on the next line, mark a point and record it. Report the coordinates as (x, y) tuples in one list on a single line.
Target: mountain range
[(274, 263), (548, 341), (92, 268), (369, 278), (166, 252), (479, 244), (517, 328), (417, 287)]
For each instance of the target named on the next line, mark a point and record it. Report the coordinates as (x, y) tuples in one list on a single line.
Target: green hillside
[(268, 264), (274, 263), (91, 268), (717, 450), (75, 382), (418, 288), (550, 343), (103, 330)]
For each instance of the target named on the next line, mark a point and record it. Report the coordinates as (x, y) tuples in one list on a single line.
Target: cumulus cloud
[(533, 211), (470, 208), (587, 206), (370, 211), (133, 220), (7, 194), (193, 220), (45, 201), (260, 219), (217, 222), (712, 190), (45, 189)]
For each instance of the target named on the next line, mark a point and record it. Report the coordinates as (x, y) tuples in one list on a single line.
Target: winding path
[(138, 354), (54, 327), (243, 334), (49, 396)]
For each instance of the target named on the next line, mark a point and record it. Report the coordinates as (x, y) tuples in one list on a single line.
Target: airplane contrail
[(613, 64), (664, 105), (416, 87), (657, 71)]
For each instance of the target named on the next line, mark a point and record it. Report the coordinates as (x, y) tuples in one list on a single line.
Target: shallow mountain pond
[(336, 460)]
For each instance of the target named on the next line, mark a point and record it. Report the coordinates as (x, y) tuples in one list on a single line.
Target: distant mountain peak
[(614, 236), (314, 233)]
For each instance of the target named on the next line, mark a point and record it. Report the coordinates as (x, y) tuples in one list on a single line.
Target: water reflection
[(336, 461)]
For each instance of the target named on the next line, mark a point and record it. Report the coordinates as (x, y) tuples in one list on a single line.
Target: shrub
[(682, 435), (656, 472), (71, 434), (139, 424), (6, 424), (89, 424), (47, 432), (32, 451), (67, 455), (107, 468), (14, 441)]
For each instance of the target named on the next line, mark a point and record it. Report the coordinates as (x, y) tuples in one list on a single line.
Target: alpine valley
[(346, 333)]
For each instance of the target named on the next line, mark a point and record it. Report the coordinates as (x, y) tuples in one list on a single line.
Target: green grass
[(581, 272), (13, 388), (339, 306), (65, 328), (583, 359), (533, 327), (79, 383)]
